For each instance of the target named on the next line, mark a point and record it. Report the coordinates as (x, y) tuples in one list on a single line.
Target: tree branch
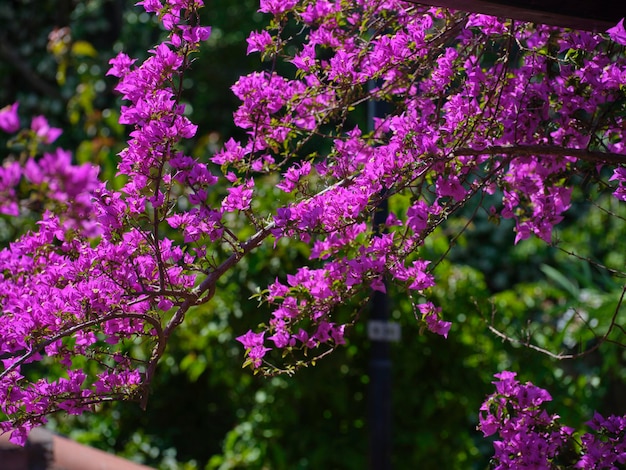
[(560, 356), (206, 286), (547, 150), (7, 52), (25, 355)]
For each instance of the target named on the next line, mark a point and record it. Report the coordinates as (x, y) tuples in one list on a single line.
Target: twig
[(600, 340)]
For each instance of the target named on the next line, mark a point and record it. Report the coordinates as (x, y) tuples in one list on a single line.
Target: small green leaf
[(561, 280), (84, 48)]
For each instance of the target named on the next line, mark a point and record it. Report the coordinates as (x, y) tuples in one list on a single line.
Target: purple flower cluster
[(66, 187), (530, 437), (96, 272), (464, 126)]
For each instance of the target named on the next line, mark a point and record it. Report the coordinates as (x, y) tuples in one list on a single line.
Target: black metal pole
[(380, 411)]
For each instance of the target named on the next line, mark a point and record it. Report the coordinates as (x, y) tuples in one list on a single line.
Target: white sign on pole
[(379, 330)]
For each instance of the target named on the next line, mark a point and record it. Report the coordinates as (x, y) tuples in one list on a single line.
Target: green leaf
[(84, 48), (561, 280)]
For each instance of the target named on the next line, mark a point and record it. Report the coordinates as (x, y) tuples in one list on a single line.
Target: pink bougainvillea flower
[(617, 33), (258, 41), (43, 130), (9, 120)]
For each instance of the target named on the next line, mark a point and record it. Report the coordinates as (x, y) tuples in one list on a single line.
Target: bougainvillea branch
[(475, 105), (86, 283)]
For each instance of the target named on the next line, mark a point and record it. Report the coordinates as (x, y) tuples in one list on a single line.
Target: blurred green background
[(206, 412)]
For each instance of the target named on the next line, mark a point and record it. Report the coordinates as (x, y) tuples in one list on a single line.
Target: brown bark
[(548, 150)]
